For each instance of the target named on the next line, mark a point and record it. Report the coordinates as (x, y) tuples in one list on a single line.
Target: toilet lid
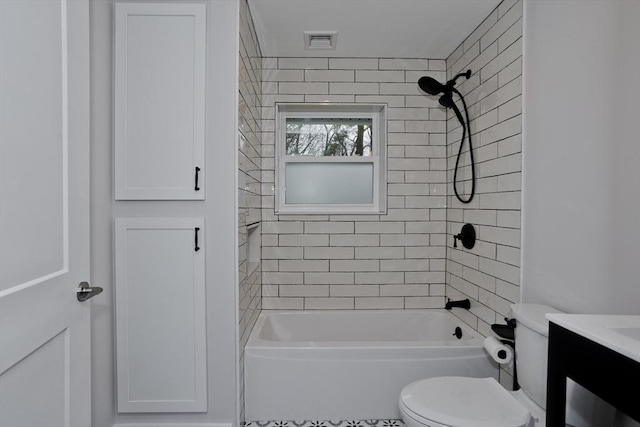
[(464, 402)]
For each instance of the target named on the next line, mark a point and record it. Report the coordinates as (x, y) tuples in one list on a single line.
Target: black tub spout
[(464, 303)]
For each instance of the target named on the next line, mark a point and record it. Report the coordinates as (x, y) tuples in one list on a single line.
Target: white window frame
[(378, 115)]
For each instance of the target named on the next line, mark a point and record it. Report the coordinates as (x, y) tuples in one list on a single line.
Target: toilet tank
[(532, 335), (584, 409)]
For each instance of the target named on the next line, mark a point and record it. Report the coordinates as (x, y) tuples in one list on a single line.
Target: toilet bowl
[(483, 402), (461, 402)]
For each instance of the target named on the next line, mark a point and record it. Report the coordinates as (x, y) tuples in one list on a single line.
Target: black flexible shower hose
[(466, 129)]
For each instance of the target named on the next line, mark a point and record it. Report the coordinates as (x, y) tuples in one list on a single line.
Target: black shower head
[(434, 87), (431, 85), (446, 100)]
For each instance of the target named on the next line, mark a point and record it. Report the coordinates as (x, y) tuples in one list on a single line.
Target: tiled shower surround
[(392, 261), (249, 148), (488, 274), (403, 259)]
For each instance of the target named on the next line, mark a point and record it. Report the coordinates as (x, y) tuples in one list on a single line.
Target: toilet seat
[(462, 402)]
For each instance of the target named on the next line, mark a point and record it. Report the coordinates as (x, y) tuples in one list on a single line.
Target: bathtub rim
[(255, 342)]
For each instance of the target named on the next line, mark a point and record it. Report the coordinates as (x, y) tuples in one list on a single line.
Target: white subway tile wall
[(348, 262), (249, 180), (488, 274)]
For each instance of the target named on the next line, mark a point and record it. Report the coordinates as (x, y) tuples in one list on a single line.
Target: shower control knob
[(467, 237)]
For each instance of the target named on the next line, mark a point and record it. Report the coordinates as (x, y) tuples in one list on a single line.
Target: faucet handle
[(457, 237)]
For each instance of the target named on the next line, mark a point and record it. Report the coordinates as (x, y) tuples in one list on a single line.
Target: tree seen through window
[(328, 137)]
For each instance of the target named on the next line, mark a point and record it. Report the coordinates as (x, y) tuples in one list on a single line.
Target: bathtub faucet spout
[(465, 303)]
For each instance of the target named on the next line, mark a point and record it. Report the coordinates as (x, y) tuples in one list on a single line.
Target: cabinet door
[(159, 101), (160, 315)]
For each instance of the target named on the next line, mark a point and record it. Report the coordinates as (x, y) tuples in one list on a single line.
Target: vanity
[(599, 352)]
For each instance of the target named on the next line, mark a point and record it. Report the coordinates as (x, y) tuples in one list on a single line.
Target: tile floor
[(340, 423)]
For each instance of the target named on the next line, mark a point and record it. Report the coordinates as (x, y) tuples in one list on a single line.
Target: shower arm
[(451, 83)]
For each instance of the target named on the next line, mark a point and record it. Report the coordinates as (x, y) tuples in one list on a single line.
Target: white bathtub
[(351, 365)]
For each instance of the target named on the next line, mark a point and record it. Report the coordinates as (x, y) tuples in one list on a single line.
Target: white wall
[(581, 189), (219, 210)]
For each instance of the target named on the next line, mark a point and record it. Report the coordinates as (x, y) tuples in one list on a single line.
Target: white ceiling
[(368, 28)]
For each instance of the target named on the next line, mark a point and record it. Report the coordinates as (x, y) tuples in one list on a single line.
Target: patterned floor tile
[(325, 423)]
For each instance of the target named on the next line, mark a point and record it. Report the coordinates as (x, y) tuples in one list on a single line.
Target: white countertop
[(617, 332)]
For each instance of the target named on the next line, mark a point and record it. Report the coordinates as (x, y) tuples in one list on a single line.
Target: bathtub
[(351, 365)]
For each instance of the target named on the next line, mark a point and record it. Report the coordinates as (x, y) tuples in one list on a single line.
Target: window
[(330, 159)]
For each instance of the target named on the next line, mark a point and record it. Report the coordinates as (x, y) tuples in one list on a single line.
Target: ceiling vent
[(320, 39)]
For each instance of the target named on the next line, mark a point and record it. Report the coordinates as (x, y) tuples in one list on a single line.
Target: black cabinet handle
[(196, 188), (197, 248)]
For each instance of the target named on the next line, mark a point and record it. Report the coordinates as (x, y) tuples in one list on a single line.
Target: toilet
[(483, 402)]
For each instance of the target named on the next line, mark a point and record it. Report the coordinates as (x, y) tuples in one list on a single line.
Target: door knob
[(84, 291)]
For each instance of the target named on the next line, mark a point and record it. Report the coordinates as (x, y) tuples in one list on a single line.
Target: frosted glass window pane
[(329, 183)]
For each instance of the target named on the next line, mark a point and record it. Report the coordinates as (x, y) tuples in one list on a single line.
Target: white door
[(44, 213)]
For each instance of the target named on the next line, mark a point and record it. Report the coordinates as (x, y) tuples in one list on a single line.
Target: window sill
[(330, 210)]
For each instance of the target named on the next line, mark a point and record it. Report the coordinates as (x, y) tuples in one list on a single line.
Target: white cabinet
[(160, 315), (159, 101)]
